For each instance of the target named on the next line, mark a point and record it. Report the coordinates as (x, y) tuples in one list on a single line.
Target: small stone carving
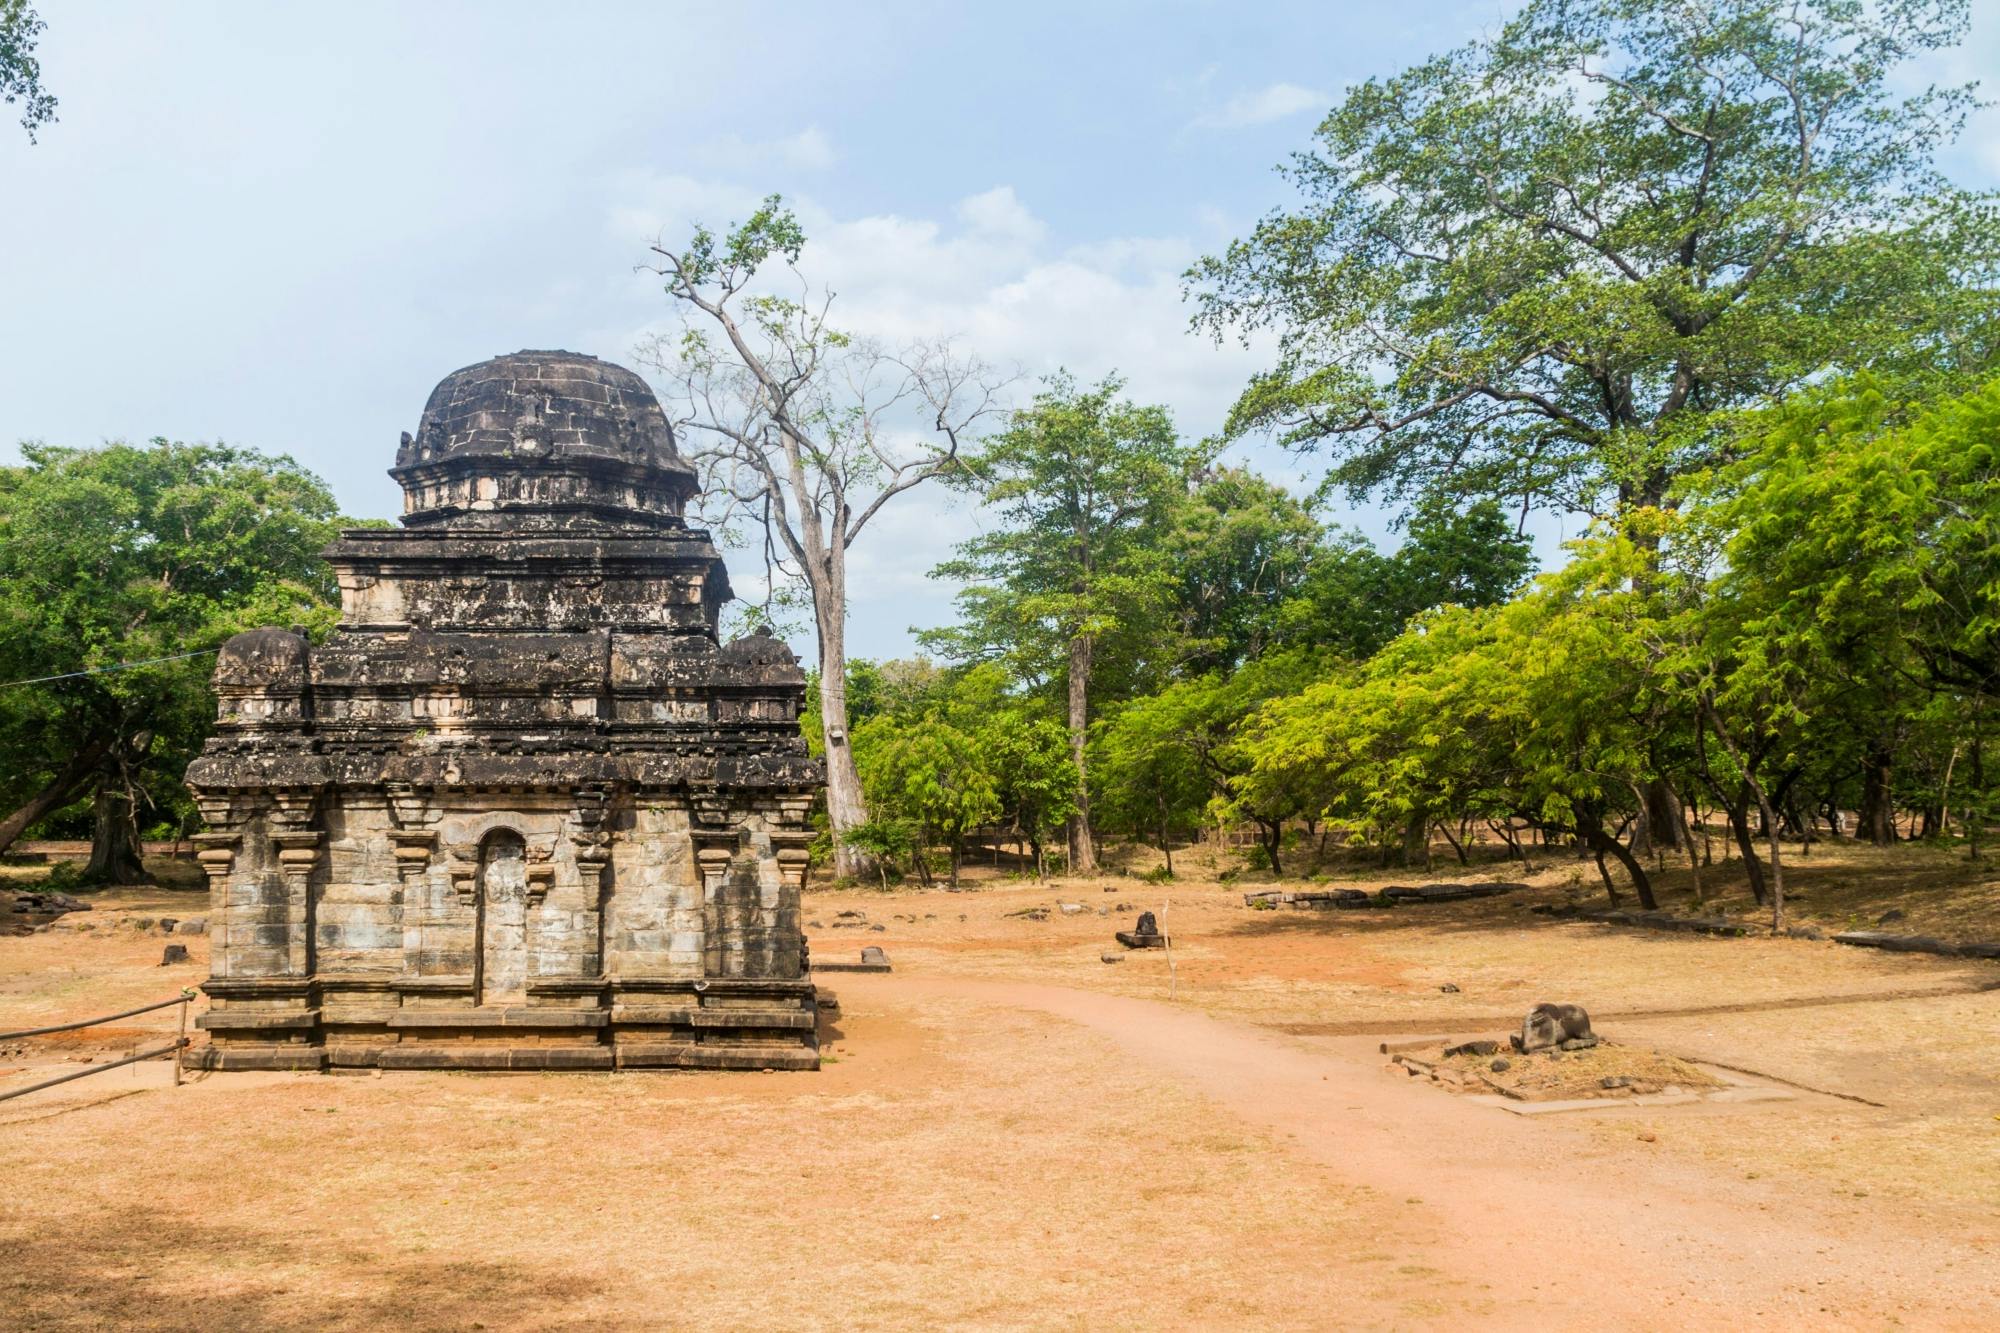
[(1145, 934), (1551, 1025)]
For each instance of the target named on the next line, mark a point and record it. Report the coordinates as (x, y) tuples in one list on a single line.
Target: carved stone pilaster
[(298, 854), (292, 808), (541, 878), (413, 849), (591, 840), (464, 874), (713, 849), (217, 855)]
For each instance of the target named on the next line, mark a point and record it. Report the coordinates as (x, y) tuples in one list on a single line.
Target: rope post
[(180, 1046)]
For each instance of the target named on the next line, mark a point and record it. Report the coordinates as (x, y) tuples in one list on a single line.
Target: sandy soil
[(1011, 1133)]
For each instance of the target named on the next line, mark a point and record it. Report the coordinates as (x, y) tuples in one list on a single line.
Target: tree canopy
[(121, 569), (1546, 266)]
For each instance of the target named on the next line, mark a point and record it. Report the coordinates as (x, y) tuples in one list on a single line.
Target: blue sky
[(280, 225)]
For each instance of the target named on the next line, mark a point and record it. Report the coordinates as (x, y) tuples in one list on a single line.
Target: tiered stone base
[(644, 1024)]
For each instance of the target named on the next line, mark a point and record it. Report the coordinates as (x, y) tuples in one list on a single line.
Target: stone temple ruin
[(522, 809)]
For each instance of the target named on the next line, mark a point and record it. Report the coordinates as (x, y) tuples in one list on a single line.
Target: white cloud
[(998, 212), (1275, 102), (808, 150)]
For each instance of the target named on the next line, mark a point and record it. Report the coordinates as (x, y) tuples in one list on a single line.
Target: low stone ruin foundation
[(522, 809)]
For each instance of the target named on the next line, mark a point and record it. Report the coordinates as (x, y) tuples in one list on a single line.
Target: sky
[(280, 225)]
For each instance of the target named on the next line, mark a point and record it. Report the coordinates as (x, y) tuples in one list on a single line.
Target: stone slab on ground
[(1722, 1096), (1880, 939)]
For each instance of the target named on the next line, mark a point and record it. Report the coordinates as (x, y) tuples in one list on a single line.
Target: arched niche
[(501, 970)]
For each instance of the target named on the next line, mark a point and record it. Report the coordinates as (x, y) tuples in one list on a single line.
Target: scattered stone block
[(872, 960), (174, 953), (1550, 1025), (1875, 939), (1473, 1048), (1111, 958)]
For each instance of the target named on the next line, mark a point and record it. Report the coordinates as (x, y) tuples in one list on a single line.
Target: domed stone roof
[(537, 404), (553, 429)]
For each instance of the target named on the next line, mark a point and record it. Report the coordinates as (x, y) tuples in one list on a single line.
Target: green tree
[(1188, 737), (20, 71), (1355, 600), (801, 432), (930, 774), (129, 555), (1457, 556), (1548, 265), (1153, 781), (1241, 549), (1085, 485), (1535, 709), (1861, 560)]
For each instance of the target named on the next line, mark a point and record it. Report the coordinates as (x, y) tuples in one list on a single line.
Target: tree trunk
[(1274, 832), (1604, 873), (1603, 844), (1456, 846), (1416, 840), (1777, 865), (61, 788), (114, 845), (845, 807), (1739, 824), (1663, 815), (1082, 847), (1975, 809), (1684, 828), (1877, 816)]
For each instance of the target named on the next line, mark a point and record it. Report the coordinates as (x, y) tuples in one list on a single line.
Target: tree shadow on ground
[(146, 1268)]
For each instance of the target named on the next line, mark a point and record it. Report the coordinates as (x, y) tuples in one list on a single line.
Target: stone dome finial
[(260, 658), (542, 431)]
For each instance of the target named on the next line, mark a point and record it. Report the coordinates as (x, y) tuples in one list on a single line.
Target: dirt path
[(1560, 1226)]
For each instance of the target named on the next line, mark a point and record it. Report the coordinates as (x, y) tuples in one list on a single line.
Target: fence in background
[(179, 1044)]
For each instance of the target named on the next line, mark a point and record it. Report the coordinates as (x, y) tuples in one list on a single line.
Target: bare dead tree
[(804, 433)]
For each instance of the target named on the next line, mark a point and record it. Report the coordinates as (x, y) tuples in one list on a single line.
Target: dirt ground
[(1010, 1132)]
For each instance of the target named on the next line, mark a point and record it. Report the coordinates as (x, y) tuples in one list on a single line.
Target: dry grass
[(933, 1175), (958, 1161)]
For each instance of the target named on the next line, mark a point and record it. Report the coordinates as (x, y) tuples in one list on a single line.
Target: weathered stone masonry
[(522, 810)]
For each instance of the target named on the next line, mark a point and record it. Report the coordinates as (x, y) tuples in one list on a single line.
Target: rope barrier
[(182, 998), (172, 1047), (115, 666)]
